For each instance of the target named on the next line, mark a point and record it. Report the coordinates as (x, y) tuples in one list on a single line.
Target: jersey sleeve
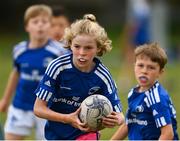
[(160, 107), (48, 85), (58, 48), (109, 87), (18, 50), (16, 65), (114, 98)]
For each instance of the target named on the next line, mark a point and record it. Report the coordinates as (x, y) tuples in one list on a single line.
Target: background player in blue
[(69, 79), (30, 61), (137, 27), (151, 114)]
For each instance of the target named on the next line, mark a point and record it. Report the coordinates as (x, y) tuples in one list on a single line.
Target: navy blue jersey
[(64, 87), (148, 112), (31, 65)]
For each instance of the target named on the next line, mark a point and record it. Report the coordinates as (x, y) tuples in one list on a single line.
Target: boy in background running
[(30, 60)]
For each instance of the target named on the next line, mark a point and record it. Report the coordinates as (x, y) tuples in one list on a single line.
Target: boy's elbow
[(171, 134), (167, 133), (36, 110)]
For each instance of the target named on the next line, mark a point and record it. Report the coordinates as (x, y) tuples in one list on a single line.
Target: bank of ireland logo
[(94, 90), (139, 109)]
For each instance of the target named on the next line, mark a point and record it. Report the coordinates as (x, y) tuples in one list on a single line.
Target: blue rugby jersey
[(64, 87), (31, 65), (148, 112)]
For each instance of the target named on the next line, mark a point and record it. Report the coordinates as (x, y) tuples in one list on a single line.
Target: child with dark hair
[(59, 21)]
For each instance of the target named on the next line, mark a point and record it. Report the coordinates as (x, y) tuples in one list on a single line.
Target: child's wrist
[(65, 118)]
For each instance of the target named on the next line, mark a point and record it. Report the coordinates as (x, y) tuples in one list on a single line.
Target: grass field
[(123, 77)]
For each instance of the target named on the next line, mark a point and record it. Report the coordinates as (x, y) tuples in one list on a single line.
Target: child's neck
[(142, 89), (37, 43)]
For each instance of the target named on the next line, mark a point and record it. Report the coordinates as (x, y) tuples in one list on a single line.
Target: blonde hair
[(154, 52), (88, 25), (36, 10)]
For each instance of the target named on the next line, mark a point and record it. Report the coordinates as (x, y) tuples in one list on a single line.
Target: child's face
[(58, 26), (84, 49), (146, 72), (38, 27)]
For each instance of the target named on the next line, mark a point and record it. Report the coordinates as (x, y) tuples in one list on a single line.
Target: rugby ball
[(93, 109)]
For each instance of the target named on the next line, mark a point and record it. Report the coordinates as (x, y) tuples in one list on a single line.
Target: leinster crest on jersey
[(94, 90)]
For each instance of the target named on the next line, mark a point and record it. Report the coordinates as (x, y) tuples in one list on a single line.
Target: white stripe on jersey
[(53, 50), (62, 67), (56, 48), (37, 94), (19, 45), (156, 94), (56, 67), (158, 123), (41, 93), (146, 101), (57, 44), (117, 109), (18, 51), (98, 73), (56, 61), (162, 119), (106, 74), (48, 96), (130, 93), (116, 97), (148, 96), (156, 85), (44, 95), (152, 97), (147, 93), (104, 69)]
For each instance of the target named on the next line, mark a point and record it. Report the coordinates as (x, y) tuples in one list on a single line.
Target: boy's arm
[(121, 133), (41, 110), (166, 132), (9, 90)]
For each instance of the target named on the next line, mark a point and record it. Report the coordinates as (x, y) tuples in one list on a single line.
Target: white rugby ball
[(93, 108)]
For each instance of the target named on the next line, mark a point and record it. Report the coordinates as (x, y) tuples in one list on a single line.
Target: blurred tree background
[(112, 15)]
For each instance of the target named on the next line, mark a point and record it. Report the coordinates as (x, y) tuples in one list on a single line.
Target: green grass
[(124, 78)]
